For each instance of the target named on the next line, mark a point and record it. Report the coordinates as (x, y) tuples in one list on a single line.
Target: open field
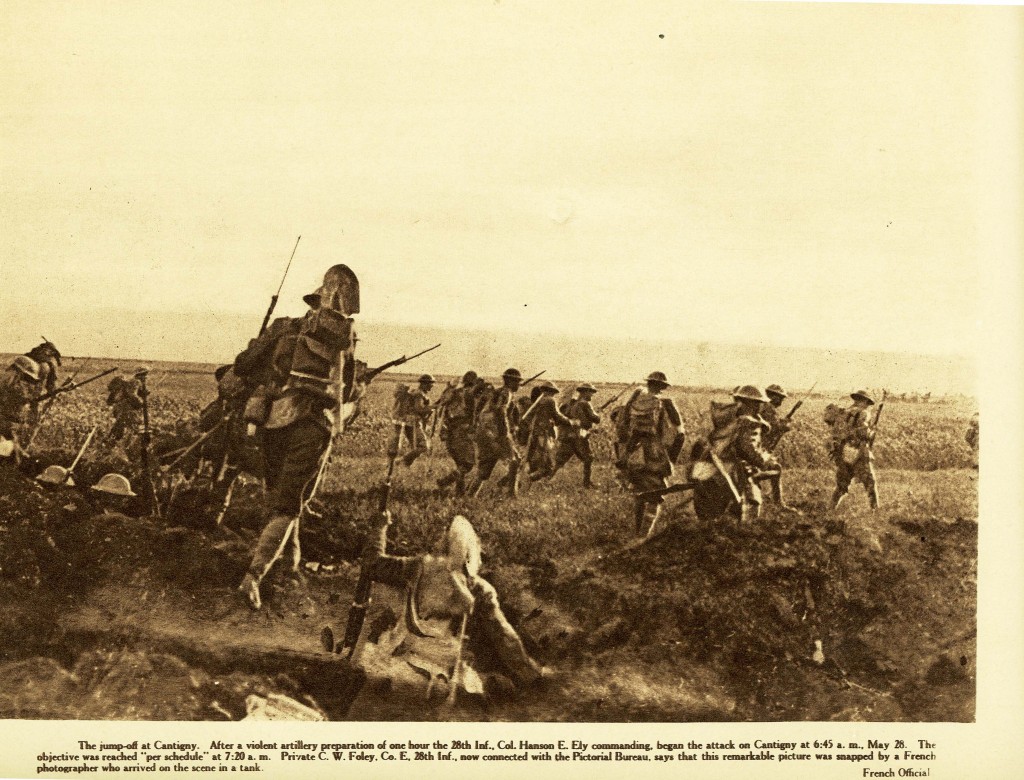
[(104, 619)]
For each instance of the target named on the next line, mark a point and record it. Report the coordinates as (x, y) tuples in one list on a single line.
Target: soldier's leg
[(510, 453), (303, 444), (844, 475), (486, 460), (417, 442)]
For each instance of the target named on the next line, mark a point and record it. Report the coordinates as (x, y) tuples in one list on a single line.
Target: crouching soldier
[(446, 625)]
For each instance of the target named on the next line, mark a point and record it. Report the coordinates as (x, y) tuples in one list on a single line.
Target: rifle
[(150, 497), (610, 401), (275, 296), (874, 425), (68, 386), (535, 376), (798, 404), (364, 587), (370, 374)]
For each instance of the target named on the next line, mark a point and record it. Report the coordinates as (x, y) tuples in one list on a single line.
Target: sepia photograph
[(497, 361)]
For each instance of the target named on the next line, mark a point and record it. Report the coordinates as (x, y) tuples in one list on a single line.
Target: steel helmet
[(141, 371), (27, 366), (862, 395), (586, 388), (339, 291), (426, 379), (512, 373), (548, 387), (56, 475), (469, 377), (114, 484), (657, 377), (776, 390), (750, 393)]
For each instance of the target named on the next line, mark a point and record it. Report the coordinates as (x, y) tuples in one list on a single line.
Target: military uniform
[(442, 589), (539, 422), (651, 424), (575, 440), (17, 390), (494, 431), (778, 425), (125, 401), (411, 413), (750, 455), (852, 440), (457, 431), (295, 363)]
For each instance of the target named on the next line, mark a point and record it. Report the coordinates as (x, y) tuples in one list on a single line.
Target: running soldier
[(651, 423), (18, 388), (294, 366), (778, 425), (494, 434), (539, 423), (575, 440), (852, 437), (411, 411), (457, 431)]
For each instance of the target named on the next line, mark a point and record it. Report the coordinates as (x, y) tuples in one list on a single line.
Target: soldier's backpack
[(114, 389), (645, 412)]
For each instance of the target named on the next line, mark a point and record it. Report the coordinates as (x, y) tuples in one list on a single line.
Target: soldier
[(852, 437), (575, 440), (778, 425), (124, 397), (440, 591), (294, 366), (653, 424), (494, 434), (539, 422), (48, 357), (18, 388), (457, 431), (748, 449), (411, 410)]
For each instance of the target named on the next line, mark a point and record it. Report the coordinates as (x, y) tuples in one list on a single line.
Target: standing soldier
[(124, 397), (852, 437), (539, 422), (457, 431), (748, 448), (651, 423), (778, 425), (494, 431), (294, 365), (412, 408), (575, 440), (18, 388)]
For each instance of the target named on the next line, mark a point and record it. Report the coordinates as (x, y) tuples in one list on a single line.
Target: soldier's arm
[(751, 448), (862, 426), (394, 570), (589, 415), (560, 419), (675, 419)]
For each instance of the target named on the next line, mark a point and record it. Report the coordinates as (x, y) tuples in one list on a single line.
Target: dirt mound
[(751, 604)]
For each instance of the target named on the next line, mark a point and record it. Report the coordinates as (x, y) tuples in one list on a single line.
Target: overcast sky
[(746, 172)]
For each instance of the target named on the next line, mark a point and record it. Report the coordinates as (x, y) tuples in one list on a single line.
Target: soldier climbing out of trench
[(450, 625)]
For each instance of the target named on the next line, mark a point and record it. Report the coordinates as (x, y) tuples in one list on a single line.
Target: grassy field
[(702, 622)]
